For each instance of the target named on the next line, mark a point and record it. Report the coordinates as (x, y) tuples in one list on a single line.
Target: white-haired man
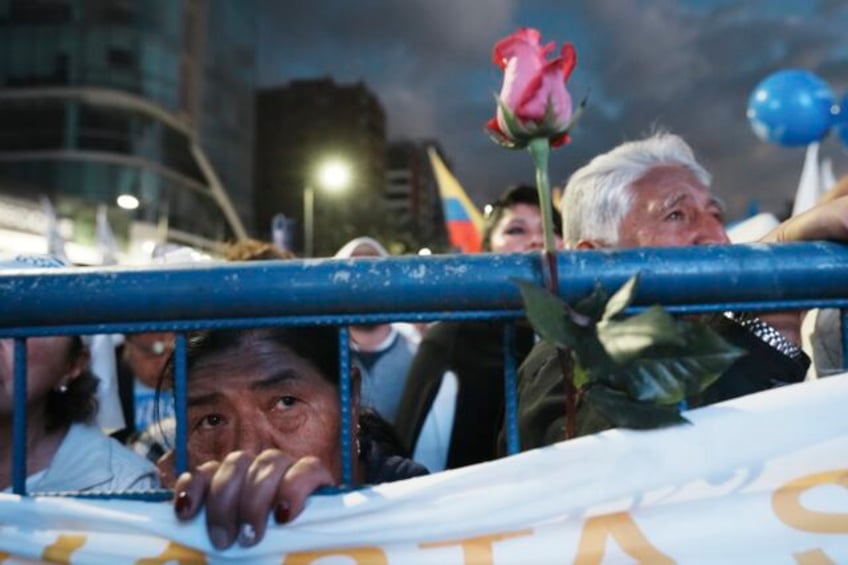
[(653, 193)]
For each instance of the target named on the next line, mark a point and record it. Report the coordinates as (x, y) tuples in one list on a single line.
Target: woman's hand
[(240, 492)]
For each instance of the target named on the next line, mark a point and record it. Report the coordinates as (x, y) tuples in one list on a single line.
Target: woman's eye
[(675, 216), (211, 421), (514, 230)]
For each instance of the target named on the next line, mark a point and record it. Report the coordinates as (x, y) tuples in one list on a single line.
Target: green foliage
[(515, 133), (634, 371), (620, 409)]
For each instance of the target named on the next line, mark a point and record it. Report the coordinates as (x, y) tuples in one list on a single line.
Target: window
[(121, 58)]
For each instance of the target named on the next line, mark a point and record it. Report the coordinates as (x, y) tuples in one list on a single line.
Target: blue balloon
[(792, 108)]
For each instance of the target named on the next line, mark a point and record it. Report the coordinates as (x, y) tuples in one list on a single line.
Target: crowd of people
[(263, 423)]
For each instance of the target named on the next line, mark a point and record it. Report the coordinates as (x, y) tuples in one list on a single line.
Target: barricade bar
[(332, 287)]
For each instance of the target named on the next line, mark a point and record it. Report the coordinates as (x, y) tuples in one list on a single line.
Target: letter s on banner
[(786, 503)]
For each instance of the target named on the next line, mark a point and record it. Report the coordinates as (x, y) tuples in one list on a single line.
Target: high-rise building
[(412, 194), (300, 126), (150, 101)]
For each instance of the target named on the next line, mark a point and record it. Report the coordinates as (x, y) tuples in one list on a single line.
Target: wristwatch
[(767, 334)]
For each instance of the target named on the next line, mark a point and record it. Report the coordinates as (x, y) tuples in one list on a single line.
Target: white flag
[(55, 241), (810, 185), (105, 238)]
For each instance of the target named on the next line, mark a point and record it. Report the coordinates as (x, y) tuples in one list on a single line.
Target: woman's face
[(261, 396), (146, 355), (519, 229), (49, 365)]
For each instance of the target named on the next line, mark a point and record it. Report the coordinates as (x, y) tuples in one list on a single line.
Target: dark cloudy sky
[(684, 65)]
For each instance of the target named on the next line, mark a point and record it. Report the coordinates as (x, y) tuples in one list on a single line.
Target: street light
[(128, 202), (333, 176)]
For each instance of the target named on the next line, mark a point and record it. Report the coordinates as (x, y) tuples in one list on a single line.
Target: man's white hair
[(599, 195)]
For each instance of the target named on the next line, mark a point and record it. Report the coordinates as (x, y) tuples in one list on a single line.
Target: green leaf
[(625, 412), (513, 127), (627, 339), (580, 377), (547, 314), (577, 114), (621, 299), (667, 374), (593, 305)]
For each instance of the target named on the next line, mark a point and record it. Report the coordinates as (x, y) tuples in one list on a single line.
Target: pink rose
[(533, 101)]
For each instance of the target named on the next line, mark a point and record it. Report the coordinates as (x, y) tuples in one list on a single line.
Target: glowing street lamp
[(128, 202), (332, 176)]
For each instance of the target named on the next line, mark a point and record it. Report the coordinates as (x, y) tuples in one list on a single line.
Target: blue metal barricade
[(367, 290)]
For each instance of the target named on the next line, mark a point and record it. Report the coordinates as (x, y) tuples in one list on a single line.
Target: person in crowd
[(653, 193), (264, 429), (65, 451), (452, 407), (148, 412), (141, 358), (382, 352), (255, 250)]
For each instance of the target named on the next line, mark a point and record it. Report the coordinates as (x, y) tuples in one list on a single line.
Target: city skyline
[(686, 66)]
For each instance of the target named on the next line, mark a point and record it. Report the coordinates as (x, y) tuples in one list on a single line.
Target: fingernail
[(183, 502), (219, 537), (247, 535), (281, 513)]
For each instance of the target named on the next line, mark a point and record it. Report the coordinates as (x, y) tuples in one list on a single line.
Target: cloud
[(687, 65), (416, 56), (692, 72)]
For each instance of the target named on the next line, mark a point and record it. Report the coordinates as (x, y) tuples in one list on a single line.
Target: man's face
[(671, 207)]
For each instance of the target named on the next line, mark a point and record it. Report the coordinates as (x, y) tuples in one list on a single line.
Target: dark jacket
[(473, 351), (541, 388), (383, 467)]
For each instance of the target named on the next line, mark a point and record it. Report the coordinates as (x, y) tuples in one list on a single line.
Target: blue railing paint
[(333, 287), (180, 402), (19, 418), (270, 321), (343, 292), (513, 444), (345, 404)]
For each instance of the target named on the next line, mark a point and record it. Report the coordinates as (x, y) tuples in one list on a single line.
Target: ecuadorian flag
[(464, 221)]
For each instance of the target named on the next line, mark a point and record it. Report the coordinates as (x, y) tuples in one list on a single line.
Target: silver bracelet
[(766, 333)]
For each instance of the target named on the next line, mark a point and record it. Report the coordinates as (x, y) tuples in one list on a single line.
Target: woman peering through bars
[(263, 429)]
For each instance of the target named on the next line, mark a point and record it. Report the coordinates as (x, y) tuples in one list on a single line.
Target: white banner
[(762, 479)]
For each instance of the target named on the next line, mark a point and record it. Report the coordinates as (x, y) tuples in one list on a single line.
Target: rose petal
[(533, 90), (547, 87)]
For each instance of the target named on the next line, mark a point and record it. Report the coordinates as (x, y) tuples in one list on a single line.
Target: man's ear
[(588, 244)]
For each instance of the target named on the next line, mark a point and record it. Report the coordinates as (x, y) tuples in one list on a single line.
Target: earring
[(62, 389)]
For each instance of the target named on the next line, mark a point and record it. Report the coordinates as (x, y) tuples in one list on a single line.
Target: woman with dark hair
[(513, 222), (263, 429), (64, 452), (452, 407)]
